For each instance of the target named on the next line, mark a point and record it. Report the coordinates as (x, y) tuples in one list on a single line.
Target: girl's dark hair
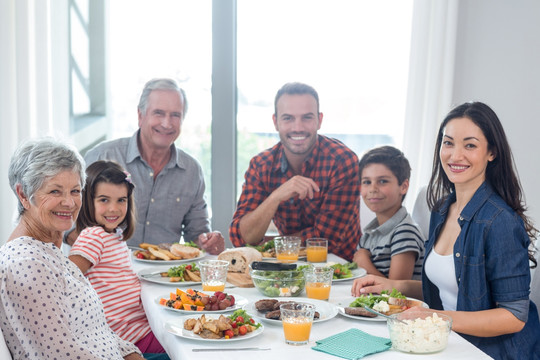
[(105, 172), (501, 173)]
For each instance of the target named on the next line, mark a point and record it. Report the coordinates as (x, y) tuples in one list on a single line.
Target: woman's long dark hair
[(105, 172), (501, 173)]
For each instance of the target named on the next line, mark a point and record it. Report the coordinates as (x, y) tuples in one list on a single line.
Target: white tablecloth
[(272, 337)]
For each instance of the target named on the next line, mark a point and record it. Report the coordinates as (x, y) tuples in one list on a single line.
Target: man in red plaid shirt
[(308, 184)]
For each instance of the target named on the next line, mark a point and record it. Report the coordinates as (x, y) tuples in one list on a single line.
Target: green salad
[(191, 243), (341, 271), (370, 300), (279, 283), (264, 247), (178, 271), (245, 317)]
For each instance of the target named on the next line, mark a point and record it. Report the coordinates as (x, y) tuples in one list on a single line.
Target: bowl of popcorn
[(419, 332)]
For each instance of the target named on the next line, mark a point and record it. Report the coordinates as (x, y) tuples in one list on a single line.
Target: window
[(170, 39), (354, 53), (87, 71)]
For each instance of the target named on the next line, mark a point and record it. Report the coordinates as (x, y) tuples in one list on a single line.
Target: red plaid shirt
[(333, 213)]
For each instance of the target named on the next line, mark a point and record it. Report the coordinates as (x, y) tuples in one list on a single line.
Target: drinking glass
[(213, 274), (287, 248), (318, 282), (297, 319), (317, 250)]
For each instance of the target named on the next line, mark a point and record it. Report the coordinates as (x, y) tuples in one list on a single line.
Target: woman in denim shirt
[(478, 232)]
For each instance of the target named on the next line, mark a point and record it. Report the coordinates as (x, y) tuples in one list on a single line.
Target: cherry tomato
[(240, 320), (242, 330), (188, 267), (234, 325), (140, 256), (252, 321), (228, 334)]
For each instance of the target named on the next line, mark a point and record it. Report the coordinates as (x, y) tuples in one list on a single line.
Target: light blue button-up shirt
[(168, 206)]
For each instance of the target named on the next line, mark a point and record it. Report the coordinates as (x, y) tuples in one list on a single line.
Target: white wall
[(498, 62)]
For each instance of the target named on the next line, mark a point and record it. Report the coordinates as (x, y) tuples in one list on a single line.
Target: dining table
[(270, 342)]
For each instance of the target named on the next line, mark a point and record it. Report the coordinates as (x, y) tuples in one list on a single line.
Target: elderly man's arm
[(196, 224)]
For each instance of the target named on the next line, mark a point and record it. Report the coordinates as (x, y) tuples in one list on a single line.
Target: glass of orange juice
[(213, 274), (287, 248), (317, 250), (297, 319), (318, 282)]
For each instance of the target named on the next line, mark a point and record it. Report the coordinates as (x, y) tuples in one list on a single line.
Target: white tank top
[(440, 270)]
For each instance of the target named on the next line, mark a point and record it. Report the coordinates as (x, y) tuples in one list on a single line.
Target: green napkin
[(352, 344)]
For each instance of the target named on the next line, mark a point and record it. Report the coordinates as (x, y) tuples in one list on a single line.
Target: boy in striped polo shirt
[(392, 245)]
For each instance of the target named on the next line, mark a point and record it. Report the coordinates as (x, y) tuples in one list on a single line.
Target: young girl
[(105, 222)]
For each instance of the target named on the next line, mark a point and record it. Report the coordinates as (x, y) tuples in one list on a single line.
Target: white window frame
[(224, 109), (91, 128)]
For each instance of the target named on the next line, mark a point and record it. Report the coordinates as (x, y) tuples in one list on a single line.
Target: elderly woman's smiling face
[(57, 203)]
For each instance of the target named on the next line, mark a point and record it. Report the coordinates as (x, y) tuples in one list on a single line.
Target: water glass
[(213, 274), (287, 248), (297, 319), (318, 282)]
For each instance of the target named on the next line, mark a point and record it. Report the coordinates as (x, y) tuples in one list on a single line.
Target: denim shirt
[(491, 266)]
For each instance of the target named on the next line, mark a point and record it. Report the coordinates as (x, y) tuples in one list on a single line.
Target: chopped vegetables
[(343, 271), (264, 247), (241, 318), (194, 300), (178, 271), (370, 300)]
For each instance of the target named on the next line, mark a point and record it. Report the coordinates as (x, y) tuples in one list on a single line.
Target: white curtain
[(25, 87), (431, 74)]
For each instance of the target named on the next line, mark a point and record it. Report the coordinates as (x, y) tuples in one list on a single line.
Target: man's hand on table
[(212, 242)]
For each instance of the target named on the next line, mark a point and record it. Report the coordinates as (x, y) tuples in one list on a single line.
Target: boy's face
[(380, 190)]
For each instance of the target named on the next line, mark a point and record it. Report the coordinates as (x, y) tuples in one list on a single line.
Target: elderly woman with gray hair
[(48, 309)]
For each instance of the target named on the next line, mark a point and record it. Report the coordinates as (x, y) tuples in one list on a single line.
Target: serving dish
[(419, 332), (278, 283)]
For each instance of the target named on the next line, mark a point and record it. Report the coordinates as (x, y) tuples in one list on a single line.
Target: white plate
[(176, 327), (239, 302), (325, 309), (356, 273), (169, 262), (158, 279), (341, 305)]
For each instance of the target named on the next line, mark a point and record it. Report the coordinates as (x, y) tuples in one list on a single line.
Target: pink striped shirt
[(114, 280)]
